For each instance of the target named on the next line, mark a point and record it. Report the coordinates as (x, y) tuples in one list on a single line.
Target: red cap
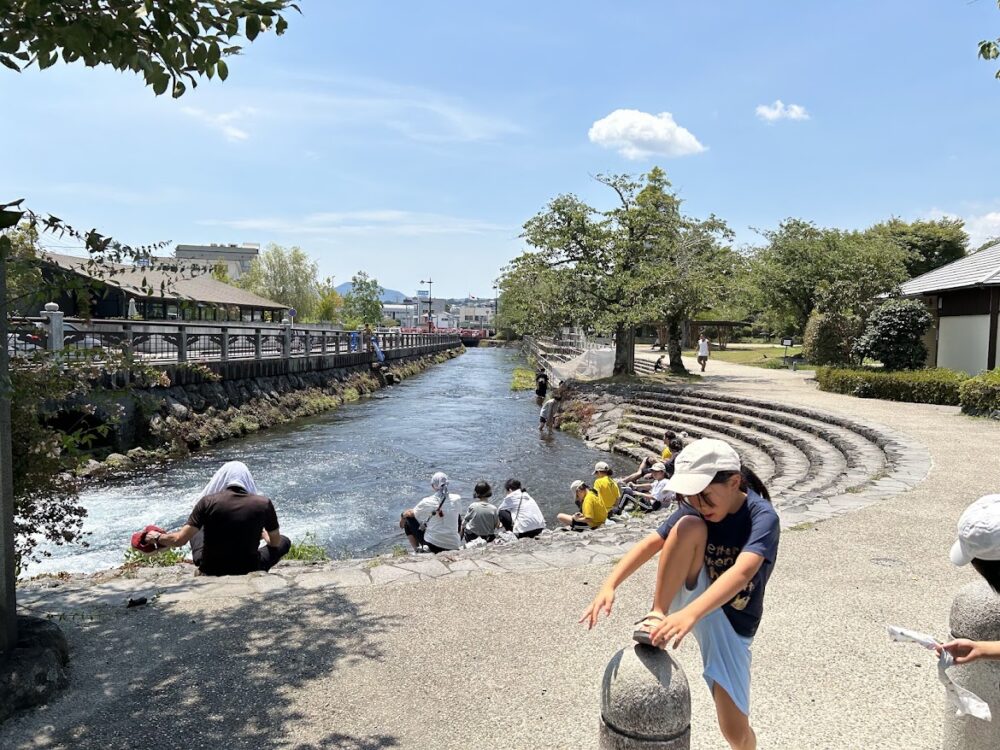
[(139, 539)]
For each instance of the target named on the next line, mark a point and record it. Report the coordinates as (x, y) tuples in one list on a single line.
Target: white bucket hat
[(978, 532), (696, 466)]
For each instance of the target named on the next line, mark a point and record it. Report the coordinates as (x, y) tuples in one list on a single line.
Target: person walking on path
[(716, 555), (481, 519), (978, 543), (605, 486), (702, 351), (434, 521), (592, 512), (226, 526), (547, 416), (519, 512)]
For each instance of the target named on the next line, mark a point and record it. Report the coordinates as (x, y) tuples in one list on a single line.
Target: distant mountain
[(390, 296)]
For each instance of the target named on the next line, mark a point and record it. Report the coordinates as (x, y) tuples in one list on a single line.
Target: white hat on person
[(658, 466), (601, 466), (696, 466), (576, 485), (978, 532)]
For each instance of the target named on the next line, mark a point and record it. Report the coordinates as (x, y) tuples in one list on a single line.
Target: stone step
[(858, 448), (786, 465), (828, 466)]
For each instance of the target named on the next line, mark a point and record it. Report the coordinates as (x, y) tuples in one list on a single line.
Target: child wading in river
[(716, 555)]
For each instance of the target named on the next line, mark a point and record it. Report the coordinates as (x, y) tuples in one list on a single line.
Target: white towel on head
[(230, 474)]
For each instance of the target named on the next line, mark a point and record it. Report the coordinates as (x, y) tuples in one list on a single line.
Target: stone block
[(344, 577), (389, 573), (432, 568), (645, 702), (36, 668), (975, 614)]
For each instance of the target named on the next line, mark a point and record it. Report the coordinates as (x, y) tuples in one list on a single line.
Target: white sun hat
[(699, 462), (978, 532)]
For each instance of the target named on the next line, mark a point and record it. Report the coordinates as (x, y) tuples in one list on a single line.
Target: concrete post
[(975, 614), (308, 342), (258, 344), (336, 342), (645, 702), (286, 340), (182, 344), (323, 343), (57, 329), (8, 579), (224, 345)]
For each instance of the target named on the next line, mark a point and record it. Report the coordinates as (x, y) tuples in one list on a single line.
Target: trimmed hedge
[(932, 386), (981, 394)]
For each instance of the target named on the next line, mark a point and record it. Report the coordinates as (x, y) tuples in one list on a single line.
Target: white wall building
[(236, 257)]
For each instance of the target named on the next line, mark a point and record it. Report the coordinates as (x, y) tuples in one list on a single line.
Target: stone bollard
[(645, 702), (975, 614)]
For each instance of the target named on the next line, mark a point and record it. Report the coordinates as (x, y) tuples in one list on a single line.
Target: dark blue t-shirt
[(753, 528)]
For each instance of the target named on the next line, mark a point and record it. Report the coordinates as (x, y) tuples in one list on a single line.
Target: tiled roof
[(154, 283), (978, 269)]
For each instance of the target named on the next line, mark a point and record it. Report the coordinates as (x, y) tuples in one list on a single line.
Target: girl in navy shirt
[(716, 555)]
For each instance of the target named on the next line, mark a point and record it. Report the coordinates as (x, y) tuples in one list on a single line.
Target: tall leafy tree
[(330, 308), (638, 261), (931, 244), (363, 304), (284, 275)]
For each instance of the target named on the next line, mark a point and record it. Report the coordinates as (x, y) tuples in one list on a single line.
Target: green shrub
[(162, 559), (981, 394), (827, 337), (307, 549), (933, 386), (523, 380), (894, 335)]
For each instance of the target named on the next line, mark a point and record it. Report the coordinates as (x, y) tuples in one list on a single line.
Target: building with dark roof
[(964, 297), (158, 291)]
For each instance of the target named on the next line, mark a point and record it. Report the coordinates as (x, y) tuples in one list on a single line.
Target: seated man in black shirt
[(226, 525)]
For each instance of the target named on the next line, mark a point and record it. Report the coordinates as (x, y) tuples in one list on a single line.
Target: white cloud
[(781, 111), (384, 222), (224, 121), (638, 135)]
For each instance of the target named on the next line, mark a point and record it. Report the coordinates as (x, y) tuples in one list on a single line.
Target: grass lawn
[(524, 379), (770, 357)]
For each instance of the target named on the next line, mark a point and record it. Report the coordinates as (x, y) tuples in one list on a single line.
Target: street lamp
[(496, 306), (430, 301)]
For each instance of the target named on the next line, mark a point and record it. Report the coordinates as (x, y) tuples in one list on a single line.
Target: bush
[(307, 549), (981, 394), (894, 335), (826, 340), (162, 559), (934, 386)]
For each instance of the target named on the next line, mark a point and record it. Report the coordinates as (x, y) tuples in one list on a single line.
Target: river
[(345, 476)]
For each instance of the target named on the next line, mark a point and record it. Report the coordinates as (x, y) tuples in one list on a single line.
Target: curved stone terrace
[(316, 662)]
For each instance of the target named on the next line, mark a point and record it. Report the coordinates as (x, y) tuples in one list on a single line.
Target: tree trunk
[(674, 347), (8, 613), (624, 350), (661, 336)]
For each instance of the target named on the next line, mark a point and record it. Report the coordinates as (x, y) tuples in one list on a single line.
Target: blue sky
[(413, 139)]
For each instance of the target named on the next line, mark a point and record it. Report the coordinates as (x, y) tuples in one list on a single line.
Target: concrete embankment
[(192, 408)]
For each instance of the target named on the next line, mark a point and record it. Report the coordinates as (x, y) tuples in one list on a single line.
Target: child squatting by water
[(716, 555)]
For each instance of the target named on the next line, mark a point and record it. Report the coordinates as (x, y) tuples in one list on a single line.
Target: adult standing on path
[(702, 351), (226, 525)]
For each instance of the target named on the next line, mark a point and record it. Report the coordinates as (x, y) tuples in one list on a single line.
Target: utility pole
[(496, 308), (430, 302)]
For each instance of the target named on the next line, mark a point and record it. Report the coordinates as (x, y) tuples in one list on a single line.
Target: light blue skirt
[(725, 654)]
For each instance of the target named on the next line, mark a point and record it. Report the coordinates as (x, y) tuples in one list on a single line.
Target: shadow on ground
[(226, 673)]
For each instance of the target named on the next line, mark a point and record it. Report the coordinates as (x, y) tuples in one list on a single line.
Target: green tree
[(330, 308), (363, 304), (285, 276), (931, 244), (611, 270), (24, 277), (804, 268), (894, 335), (220, 272), (171, 43)]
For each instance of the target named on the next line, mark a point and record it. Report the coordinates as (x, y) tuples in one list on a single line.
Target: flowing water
[(346, 475)]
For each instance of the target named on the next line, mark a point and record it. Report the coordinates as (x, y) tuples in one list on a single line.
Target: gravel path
[(497, 660)]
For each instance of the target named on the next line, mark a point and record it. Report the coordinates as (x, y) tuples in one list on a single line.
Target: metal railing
[(182, 341)]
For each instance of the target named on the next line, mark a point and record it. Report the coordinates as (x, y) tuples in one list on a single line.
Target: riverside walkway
[(320, 658)]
